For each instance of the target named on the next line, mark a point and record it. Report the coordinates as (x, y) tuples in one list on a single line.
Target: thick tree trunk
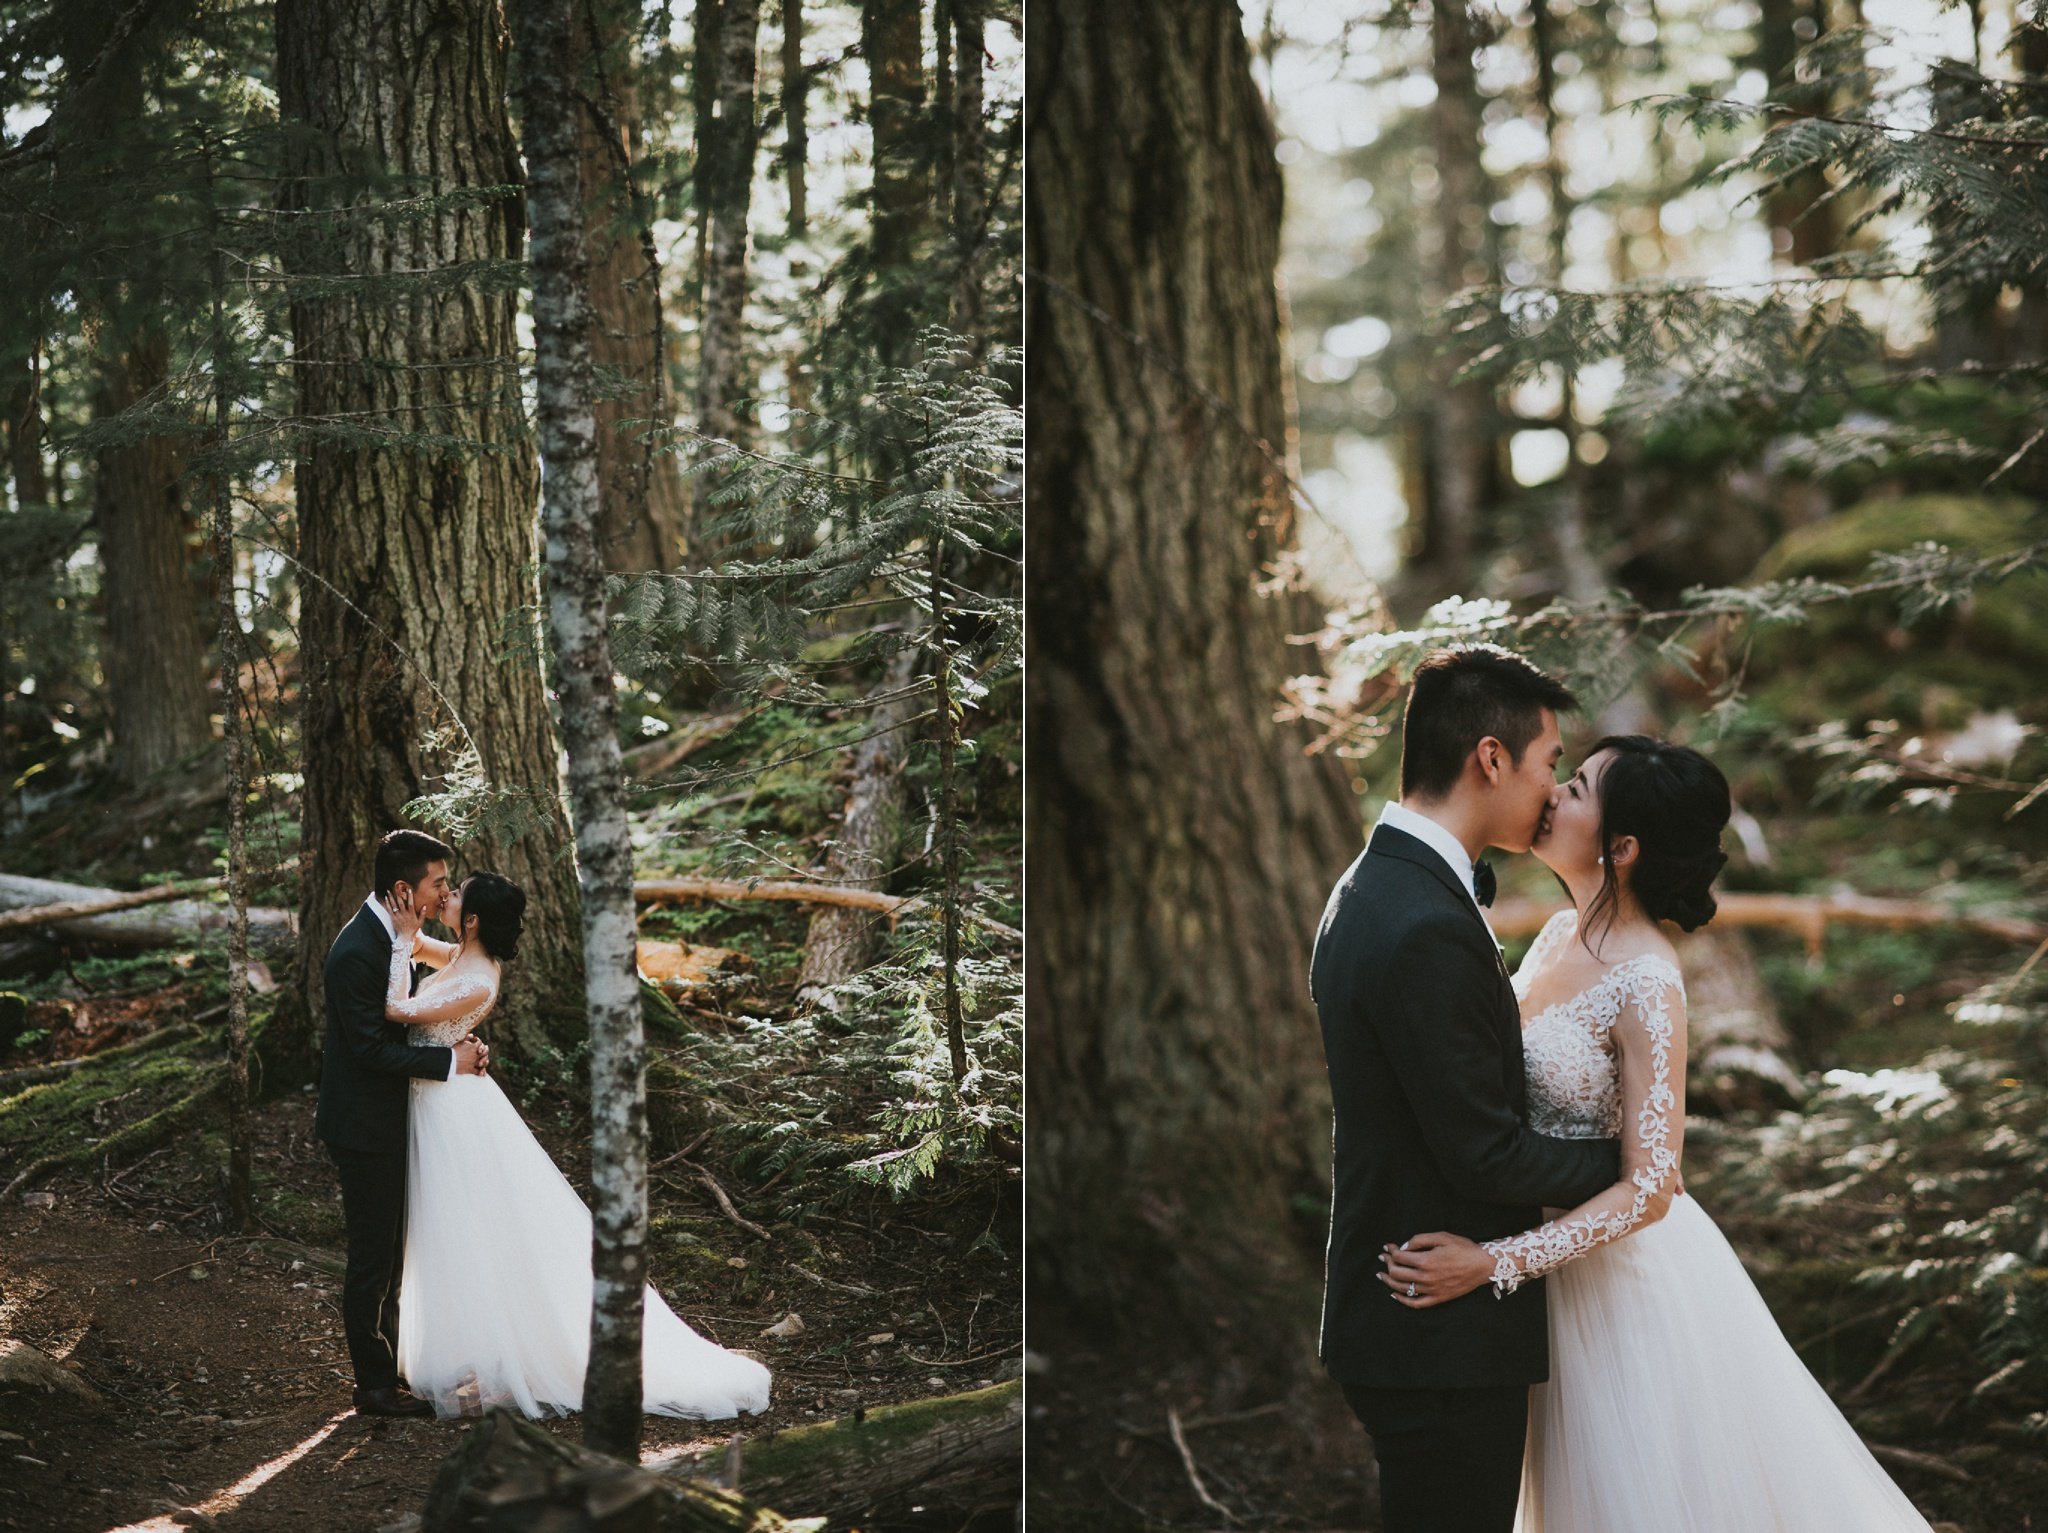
[(796, 106), (644, 497), (416, 553), (155, 656), (590, 718), (706, 17), (842, 940), (1180, 842), (1800, 233), (729, 182), (970, 194), (25, 438), (943, 108), (892, 41)]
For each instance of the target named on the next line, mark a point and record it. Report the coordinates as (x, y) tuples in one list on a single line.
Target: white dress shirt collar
[(1439, 840), (376, 908)]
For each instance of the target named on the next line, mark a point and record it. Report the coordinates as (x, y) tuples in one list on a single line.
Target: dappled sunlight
[(222, 1502)]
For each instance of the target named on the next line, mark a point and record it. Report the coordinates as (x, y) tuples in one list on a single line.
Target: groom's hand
[(1435, 1269), (472, 1056)]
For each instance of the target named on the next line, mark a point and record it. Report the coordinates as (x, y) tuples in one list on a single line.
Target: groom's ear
[(1493, 758)]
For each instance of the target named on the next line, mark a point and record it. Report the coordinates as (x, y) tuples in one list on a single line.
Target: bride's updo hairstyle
[(1675, 803), (499, 906)]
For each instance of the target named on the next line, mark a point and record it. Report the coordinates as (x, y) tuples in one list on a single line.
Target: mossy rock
[(1858, 659)]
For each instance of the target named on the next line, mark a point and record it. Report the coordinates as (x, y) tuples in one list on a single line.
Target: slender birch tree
[(581, 644)]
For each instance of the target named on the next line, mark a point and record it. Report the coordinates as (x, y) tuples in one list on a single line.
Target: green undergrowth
[(816, 1110), (1898, 1227)]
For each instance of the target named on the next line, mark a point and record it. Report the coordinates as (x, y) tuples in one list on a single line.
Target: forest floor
[(226, 1382), (219, 1359)]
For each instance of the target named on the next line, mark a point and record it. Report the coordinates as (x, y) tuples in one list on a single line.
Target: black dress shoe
[(391, 1401)]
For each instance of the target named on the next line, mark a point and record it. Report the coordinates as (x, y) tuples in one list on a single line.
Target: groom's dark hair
[(403, 855), (1460, 696)]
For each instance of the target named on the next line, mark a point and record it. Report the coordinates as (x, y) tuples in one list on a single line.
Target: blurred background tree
[(1695, 350)]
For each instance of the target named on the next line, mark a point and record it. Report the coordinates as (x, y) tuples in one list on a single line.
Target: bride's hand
[(405, 920), (1435, 1269)]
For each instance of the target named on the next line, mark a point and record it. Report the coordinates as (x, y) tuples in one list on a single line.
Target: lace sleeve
[(445, 1003), (432, 951), (1649, 1040)]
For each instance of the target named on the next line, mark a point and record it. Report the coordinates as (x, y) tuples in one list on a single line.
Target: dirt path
[(226, 1380)]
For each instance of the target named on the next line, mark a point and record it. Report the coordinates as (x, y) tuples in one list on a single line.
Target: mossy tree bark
[(1180, 841), (796, 106), (416, 490), (728, 185), (644, 498), (1461, 439), (892, 42), (155, 657), (970, 190)]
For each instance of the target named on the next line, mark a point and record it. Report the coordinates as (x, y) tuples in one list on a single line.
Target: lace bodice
[(450, 1002), (1600, 1065)]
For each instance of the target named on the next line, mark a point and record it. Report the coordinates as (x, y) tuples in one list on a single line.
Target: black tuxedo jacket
[(367, 1060), (1423, 1037)]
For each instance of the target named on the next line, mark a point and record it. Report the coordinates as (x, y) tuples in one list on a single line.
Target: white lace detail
[(438, 991), (1575, 1092)]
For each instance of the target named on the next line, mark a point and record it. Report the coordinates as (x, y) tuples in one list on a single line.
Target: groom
[(1423, 1039), (364, 1098)]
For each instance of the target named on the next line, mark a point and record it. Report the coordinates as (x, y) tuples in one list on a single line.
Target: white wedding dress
[(496, 1285), (1674, 1402)]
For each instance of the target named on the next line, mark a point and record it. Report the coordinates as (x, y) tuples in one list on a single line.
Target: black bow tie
[(1482, 881)]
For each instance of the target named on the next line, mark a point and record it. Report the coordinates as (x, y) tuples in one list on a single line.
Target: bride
[(497, 1278), (1674, 1402)]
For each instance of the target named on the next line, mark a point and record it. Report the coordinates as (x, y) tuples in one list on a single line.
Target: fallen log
[(174, 922), (679, 966), (1808, 914), (65, 910), (966, 1450), (137, 1139), (507, 1475), (12, 1081), (143, 918), (895, 906)]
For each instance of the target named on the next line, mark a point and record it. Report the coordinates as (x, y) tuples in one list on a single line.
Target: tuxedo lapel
[(1388, 842), (365, 930)]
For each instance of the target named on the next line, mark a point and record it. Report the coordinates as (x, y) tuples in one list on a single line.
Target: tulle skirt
[(1676, 1404), (496, 1290)]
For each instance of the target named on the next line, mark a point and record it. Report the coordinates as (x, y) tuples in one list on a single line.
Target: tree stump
[(1737, 1039), (506, 1475)]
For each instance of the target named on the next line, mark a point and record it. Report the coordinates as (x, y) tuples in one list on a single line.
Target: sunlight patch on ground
[(224, 1501)]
